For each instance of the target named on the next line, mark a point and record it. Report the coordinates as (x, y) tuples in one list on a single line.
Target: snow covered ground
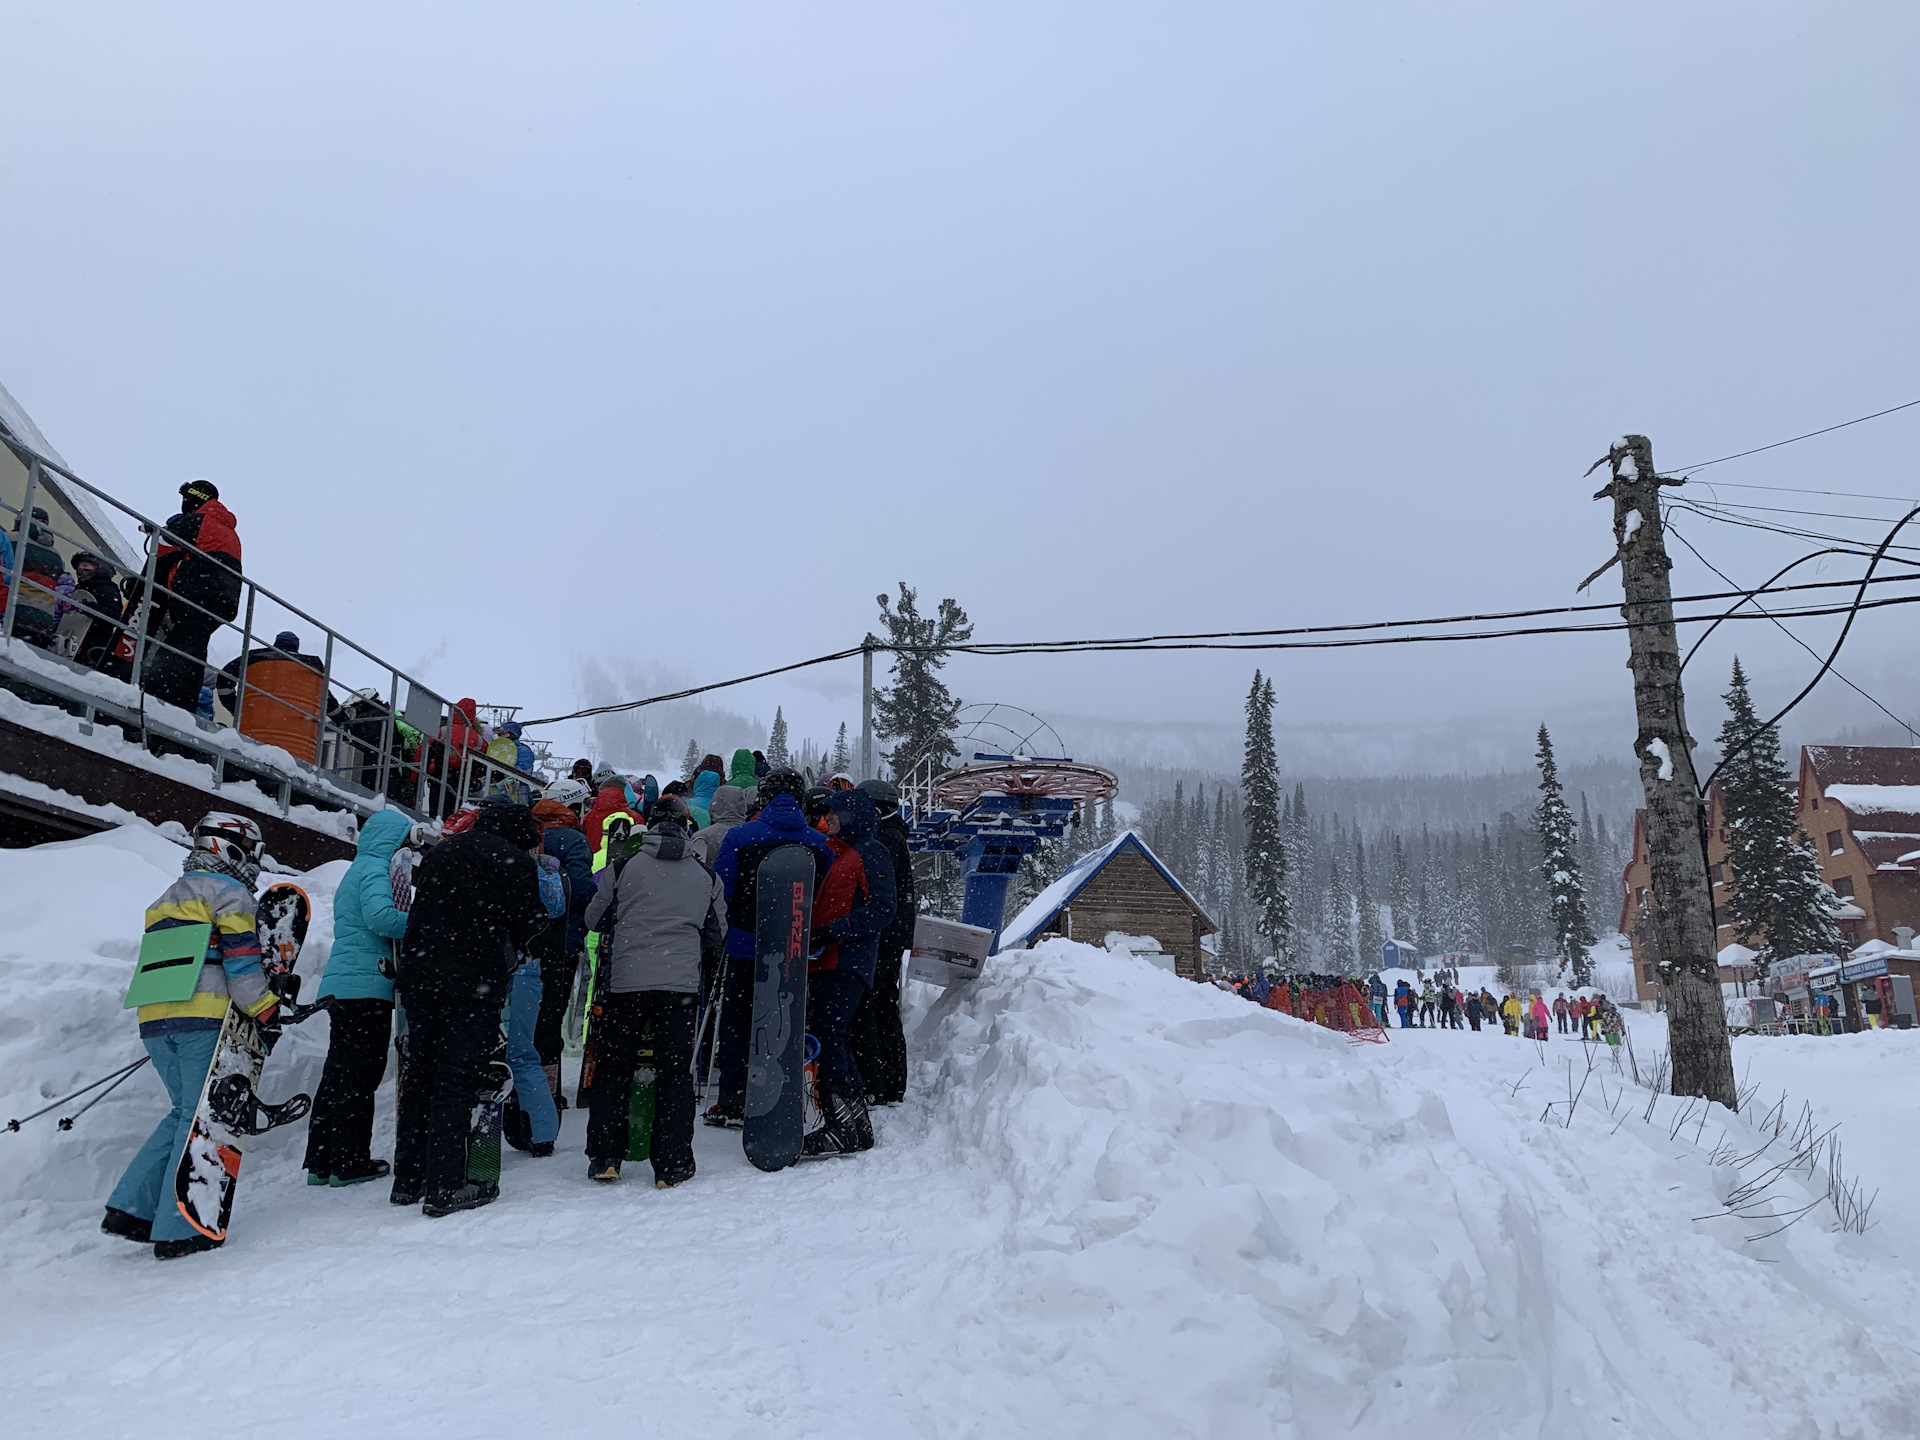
[(1117, 1204)]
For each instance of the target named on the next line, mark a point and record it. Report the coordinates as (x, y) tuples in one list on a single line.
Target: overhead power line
[(1296, 638), (1791, 440)]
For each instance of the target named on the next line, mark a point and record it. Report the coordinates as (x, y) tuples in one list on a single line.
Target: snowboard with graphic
[(489, 1112), (230, 1112), (776, 1080)]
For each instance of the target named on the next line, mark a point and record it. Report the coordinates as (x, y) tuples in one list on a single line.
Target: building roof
[(1045, 907), (102, 530), (1879, 788)]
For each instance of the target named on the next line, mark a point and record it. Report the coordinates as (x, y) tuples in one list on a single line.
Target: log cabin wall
[(1131, 896)]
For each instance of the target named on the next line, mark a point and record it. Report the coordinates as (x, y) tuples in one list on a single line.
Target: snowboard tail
[(775, 1109)]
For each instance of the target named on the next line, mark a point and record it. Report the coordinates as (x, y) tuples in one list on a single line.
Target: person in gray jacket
[(662, 909), (728, 808)]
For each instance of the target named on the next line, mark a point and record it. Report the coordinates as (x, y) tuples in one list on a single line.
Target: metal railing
[(374, 747)]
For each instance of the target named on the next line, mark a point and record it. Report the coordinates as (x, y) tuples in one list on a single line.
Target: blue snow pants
[(146, 1189), (523, 1056)]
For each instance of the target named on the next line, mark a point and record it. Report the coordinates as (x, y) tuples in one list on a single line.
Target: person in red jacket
[(196, 586)]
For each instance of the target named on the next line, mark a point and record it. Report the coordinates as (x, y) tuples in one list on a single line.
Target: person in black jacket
[(197, 585), (476, 904), (99, 594), (879, 1044)]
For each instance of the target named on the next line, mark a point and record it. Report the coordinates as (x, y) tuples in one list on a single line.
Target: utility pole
[(866, 709), (1681, 915)]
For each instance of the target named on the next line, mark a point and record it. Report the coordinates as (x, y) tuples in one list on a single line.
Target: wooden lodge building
[(1122, 887), (1860, 805)]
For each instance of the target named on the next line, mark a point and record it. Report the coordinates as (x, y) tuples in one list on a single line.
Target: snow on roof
[(1738, 954), (81, 505), (1042, 909), (1873, 948), (1876, 799)]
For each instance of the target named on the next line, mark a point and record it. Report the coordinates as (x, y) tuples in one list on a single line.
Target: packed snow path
[(1118, 1204)]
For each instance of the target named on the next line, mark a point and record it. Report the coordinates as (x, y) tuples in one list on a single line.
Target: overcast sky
[(516, 334)]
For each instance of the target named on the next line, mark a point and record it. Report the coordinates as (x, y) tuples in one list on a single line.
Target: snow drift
[(1116, 1204)]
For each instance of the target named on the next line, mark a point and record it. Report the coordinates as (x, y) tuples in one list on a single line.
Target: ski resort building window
[(1843, 887), (1836, 842)]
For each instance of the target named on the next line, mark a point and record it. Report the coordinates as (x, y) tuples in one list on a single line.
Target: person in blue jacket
[(367, 927), (704, 784), (780, 822)]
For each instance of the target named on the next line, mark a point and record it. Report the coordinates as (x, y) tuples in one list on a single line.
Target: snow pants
[(448, 1045), (176, 678), (736, 1020), (623, 1019), (530, 1090), (879, 1042), (1406, 1017), (832, 997), (340, 1131), (146, 1189), (556, 989)]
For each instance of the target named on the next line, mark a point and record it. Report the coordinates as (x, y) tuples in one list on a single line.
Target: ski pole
[(117, 1076), (719, 1009), (66, 1121)]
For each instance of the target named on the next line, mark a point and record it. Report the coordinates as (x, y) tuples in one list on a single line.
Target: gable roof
[(1879, 788), (1042, 910), (103, 531)]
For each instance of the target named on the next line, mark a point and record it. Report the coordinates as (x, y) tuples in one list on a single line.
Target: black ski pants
[(832, 997), (176, 678), (879, 1042), (736, 1021), (449, 1042), (556, 991), (624, 1018), (340, 1131)]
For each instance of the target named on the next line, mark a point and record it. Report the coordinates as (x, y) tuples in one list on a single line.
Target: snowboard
[(230, 1112), (776, 1084), (489, 1112), (640, 1104), (400, 883)]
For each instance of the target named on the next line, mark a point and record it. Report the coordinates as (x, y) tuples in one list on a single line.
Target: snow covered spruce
[(455, 938)]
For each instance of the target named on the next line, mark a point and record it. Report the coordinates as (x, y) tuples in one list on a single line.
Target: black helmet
[(784, 781), (886, 796), (670, 810), (816, 802)]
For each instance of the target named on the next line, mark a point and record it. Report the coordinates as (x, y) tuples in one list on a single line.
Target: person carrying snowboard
[(215, 888), (780, 822), (657, 911), (476, 905), (855, 906)]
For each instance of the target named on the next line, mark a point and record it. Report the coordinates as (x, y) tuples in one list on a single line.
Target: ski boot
[(127, 1227), (605, 1171), (192, 1245), (470, 1196), (358, 1173)]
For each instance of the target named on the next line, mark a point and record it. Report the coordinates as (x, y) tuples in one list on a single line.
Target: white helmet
[(233, 841), (571, 793)]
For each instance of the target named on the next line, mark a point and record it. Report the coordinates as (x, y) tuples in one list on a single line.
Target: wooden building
[(1122, 887), (1860, 805)]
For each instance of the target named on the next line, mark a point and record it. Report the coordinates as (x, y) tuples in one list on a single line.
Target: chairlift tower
[(992, 813)]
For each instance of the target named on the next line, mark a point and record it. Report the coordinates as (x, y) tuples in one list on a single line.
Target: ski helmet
[(782, 782), (670, 810), (233, 842), (570, 793)]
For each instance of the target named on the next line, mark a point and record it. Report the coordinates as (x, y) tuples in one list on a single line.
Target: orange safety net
[(1344, 1007)]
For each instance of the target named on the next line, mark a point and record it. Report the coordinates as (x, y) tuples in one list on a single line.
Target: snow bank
[(1117, 1204), (1222, 1221)]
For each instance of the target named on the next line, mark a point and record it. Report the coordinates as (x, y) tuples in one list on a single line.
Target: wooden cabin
[(1122, 887)]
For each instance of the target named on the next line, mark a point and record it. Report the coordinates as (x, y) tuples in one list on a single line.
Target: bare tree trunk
[(1681, 918)]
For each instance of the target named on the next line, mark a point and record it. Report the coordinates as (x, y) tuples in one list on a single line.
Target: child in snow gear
[(213, 895), (476, 905), (366, 923), (657, 911)]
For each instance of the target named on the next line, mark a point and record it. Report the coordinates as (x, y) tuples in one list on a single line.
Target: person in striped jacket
[(215, 888)]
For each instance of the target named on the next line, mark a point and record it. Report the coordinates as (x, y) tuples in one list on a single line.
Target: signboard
[(945, 950), (1867, 969)]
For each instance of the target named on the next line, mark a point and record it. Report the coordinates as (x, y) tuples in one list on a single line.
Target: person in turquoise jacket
[(704, 784), (359, 986)]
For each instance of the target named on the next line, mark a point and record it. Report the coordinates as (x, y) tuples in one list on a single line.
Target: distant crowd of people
[(1439, 1001)]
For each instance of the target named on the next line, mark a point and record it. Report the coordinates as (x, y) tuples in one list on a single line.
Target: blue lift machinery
[(995, 811)]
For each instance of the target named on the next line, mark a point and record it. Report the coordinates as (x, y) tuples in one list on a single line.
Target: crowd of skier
[(1439, 1001), (652, 887)]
